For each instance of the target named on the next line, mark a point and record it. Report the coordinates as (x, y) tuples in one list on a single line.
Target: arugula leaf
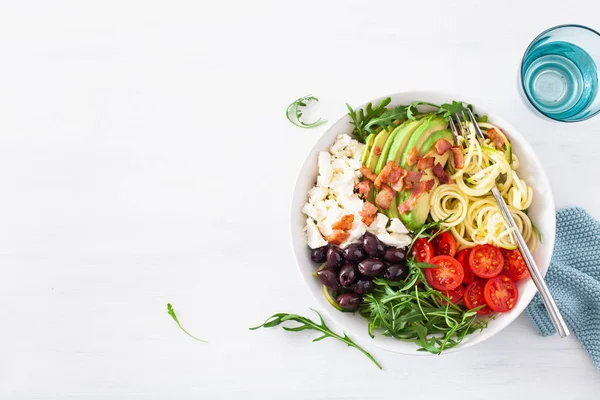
[(361, 118), (457, 107), (416, 312), (295, 109), (308, 324), (171, 312), (386, 119), (412, 110)]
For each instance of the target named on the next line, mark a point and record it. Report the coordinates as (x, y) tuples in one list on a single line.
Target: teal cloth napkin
[(574, 280)]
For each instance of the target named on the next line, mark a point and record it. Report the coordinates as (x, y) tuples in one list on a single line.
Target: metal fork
[(538, 279)]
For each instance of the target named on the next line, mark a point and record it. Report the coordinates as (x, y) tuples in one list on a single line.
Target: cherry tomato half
[(455, 295), (514, 265), (474, 297), (463, 258), (486, 261), (444, 244), (422, 250), (447, 276), (501, 293)]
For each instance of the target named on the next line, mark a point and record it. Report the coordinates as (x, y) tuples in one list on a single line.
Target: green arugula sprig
[(308, 324), (294, 113), (370, 119), (171, 312), (413, 311), (361, 118), (386, 119)]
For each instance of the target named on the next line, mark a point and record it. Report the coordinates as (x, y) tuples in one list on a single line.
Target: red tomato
[(422, 250), (447, 276), (501, 293), (463, 258), (514, 265), (444, 244), (455, 295), (486, 261), (474, 297)]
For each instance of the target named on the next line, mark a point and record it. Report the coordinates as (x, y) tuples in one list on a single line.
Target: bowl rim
[(522, 73), (549, 238)]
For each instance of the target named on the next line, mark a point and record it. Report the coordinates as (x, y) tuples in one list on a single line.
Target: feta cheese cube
[(379, 224), (313, 236), (343, 183), (310, 210), (325, 169), (320, 211), (334, 214), (352, 204), (397, 226), (358, 229), (394, 239), (340, 146), (317, 194)]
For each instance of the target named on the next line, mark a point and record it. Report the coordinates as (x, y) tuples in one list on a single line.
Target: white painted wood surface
[(145, 159)]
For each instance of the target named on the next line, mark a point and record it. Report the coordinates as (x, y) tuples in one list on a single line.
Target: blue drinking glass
[(560, 75)]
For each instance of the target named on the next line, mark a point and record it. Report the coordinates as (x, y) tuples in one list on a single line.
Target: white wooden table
[(145, 159)]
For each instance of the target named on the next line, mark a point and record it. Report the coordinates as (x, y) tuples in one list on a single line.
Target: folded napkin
[(574, 280)]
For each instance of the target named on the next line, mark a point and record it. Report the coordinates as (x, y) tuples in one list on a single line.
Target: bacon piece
[(337, 237), (367, 173), (495, 137), (368, 213), (385, 197), (458, 157), (377, 150), (345, 223), (422, 187), (412, 178), (412, 157), (425, 162), (398, 185), (442, 146), (363, 187), (438, 171), (391, 174)]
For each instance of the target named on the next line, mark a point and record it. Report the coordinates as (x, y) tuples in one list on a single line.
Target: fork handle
[(536, 275)]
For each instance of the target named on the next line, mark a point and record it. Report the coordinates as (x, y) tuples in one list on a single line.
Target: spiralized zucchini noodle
[(468, 207)]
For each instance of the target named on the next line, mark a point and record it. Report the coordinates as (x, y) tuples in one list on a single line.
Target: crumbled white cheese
[(378, 226), (352, 204), (325, 169), (341, 146), (397, 226), (317, 194), (334, 214), (313, 236), (343, 182), (321, 211), (358, 229), (394, 239), (310, 210), (333, 197)]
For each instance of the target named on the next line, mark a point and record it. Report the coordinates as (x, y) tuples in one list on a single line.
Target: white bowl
[(542, 212)]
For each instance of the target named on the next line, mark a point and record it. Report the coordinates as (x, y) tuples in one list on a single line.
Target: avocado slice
[(401, 139), (433, 139), (397, 144), (423, 139), (422, 133), (416, 218), (386, 150), (367, 149), (379, 142), (393, 212)]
